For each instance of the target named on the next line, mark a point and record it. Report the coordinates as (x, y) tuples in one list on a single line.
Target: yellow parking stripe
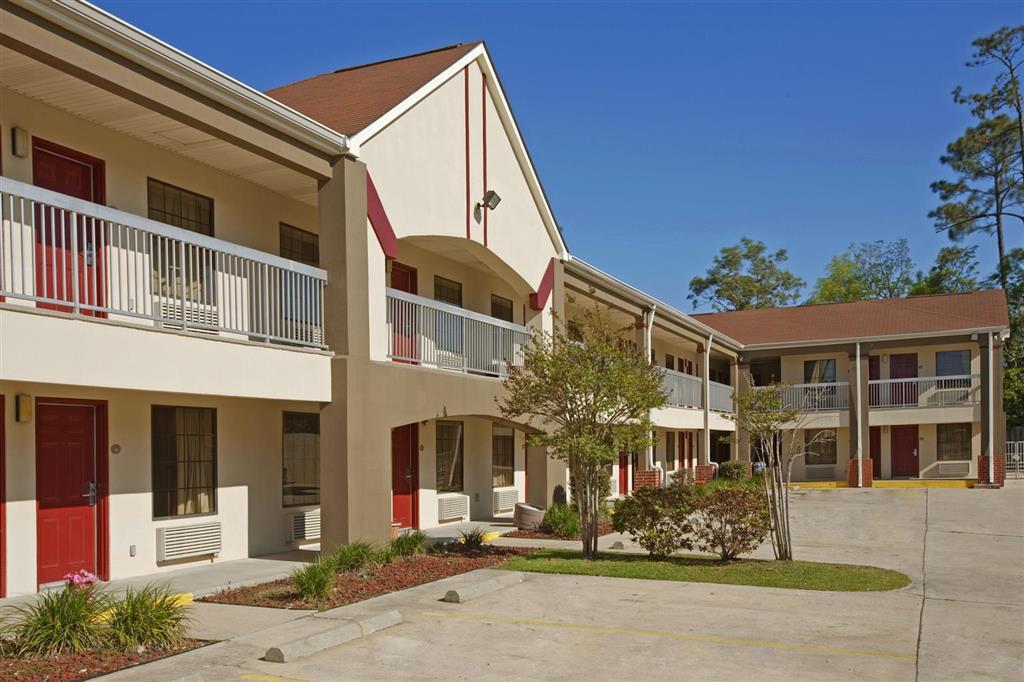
[(261, 677), (711, 639)]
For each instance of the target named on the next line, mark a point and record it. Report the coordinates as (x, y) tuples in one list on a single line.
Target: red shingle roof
[(829, 321), (350, 99)]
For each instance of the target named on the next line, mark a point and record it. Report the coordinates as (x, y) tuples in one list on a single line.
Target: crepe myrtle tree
[(590, 393), (776, 427)]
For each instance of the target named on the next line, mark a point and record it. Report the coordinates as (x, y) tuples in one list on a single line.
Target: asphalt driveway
[(962, 617)]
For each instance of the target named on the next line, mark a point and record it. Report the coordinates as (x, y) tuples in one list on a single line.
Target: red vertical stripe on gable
[(379, 220), (483, 115), (465, 79), (547, 283)]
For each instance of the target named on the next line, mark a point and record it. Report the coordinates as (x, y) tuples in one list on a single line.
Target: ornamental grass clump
[(561, 519), (150, 617), (66, 621), (474, 538), (410, 544), (353, 556), (314, 581)]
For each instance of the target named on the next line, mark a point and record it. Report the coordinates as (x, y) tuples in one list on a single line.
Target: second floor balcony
[(945, 391), (686, 390), (67, 255), (814, 397), (422, 331)]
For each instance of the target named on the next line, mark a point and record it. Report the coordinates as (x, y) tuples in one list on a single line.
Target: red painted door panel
[(623, 473), (64, 242), (65, 469), (903, 445), (404, 449), (874, 372), (404, 318), (903, 366), (876, 452)]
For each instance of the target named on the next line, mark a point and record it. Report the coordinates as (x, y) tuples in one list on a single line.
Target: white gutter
[(860, 424), (707, 399), (991, 417), (125, 40), (648, 330), (871, 339)]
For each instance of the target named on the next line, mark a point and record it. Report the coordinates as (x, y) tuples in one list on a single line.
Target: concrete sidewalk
[(206, 579)]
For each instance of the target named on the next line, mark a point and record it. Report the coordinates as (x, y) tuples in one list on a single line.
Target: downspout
[(860, 422), (991, 417), (648, 330), (707, 400)]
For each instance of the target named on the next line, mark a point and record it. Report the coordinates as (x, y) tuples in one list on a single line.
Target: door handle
[(91, 494), (915, 452)]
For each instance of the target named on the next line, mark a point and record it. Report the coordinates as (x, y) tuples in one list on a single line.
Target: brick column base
[(648, 478), (867, 478), (704, 473), (750, 469), (1000, 470)]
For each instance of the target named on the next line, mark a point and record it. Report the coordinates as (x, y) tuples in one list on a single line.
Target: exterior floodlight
[(491, 199)]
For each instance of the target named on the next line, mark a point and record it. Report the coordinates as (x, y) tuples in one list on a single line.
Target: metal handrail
[(683, 390), (819, 397), (75, 256), (431, 333), (960, 389)]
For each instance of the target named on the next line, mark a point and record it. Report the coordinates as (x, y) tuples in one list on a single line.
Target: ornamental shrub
[(730, 520), (150, 617), (732, 470), (561, 519), (658, 519)]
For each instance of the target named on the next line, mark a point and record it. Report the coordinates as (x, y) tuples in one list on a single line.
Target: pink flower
[(80, 580)]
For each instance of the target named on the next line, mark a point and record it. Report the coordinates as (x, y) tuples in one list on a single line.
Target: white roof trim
[(501, 104), (628, 290), (874, 339), (120, 37)]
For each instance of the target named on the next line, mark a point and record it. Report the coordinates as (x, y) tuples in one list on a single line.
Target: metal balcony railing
[(721, 397), (963, 389), (820, 397), (426, 332), (684, 390), (61, 253)]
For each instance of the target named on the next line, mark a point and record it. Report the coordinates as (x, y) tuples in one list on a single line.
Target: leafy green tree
[(876, 269), (986, 190), (746, 276), (591, 396), (1013, 348), (1003, 49), (955, 271)]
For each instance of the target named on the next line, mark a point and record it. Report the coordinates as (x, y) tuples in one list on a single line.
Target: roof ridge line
[(408, 56)]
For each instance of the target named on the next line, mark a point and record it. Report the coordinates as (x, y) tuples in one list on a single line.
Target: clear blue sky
[(664, 131)]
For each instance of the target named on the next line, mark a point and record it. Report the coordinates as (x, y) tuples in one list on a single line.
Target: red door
[(65, 243), (623, 473), (404, 321), (874, 373), (65, 490), (876, 452), (903, 445), (404, 465), (903, 366)]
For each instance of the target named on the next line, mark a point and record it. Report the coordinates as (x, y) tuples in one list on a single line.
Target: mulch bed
[(84, 666), (603, 528), (355, 586)]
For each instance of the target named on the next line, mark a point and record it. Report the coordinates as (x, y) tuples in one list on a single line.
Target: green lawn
[(797, 575)]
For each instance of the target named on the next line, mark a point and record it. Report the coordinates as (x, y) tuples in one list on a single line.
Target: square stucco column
[(354, 453), (741, 378), (997, 434), (859, 405)]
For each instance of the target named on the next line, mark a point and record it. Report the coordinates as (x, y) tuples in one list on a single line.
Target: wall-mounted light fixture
[(19, 142), (490, 200), (23, 408)]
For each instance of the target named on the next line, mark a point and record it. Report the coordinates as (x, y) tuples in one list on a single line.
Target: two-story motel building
[(233, 322)]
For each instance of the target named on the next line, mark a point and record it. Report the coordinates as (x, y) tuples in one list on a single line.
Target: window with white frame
[(820, 446), (300, 459), (953, 442), (503, 456)]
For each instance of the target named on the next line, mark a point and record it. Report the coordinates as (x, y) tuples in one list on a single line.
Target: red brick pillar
[(648, 478), (704, 473), (1000, 470), (750, 468), (851, 473)]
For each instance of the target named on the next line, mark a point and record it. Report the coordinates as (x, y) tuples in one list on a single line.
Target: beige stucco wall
[(59, 349), (244, 213), (249, 502)]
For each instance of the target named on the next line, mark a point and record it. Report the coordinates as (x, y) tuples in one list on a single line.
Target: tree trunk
[(1001, 243)]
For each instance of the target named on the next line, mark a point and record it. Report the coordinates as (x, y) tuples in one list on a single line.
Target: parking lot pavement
[(962, 618)]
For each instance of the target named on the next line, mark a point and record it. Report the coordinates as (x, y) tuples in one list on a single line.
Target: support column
[(705, 450), (860, 430), (742, 384), (355, 448), (992, 462)]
